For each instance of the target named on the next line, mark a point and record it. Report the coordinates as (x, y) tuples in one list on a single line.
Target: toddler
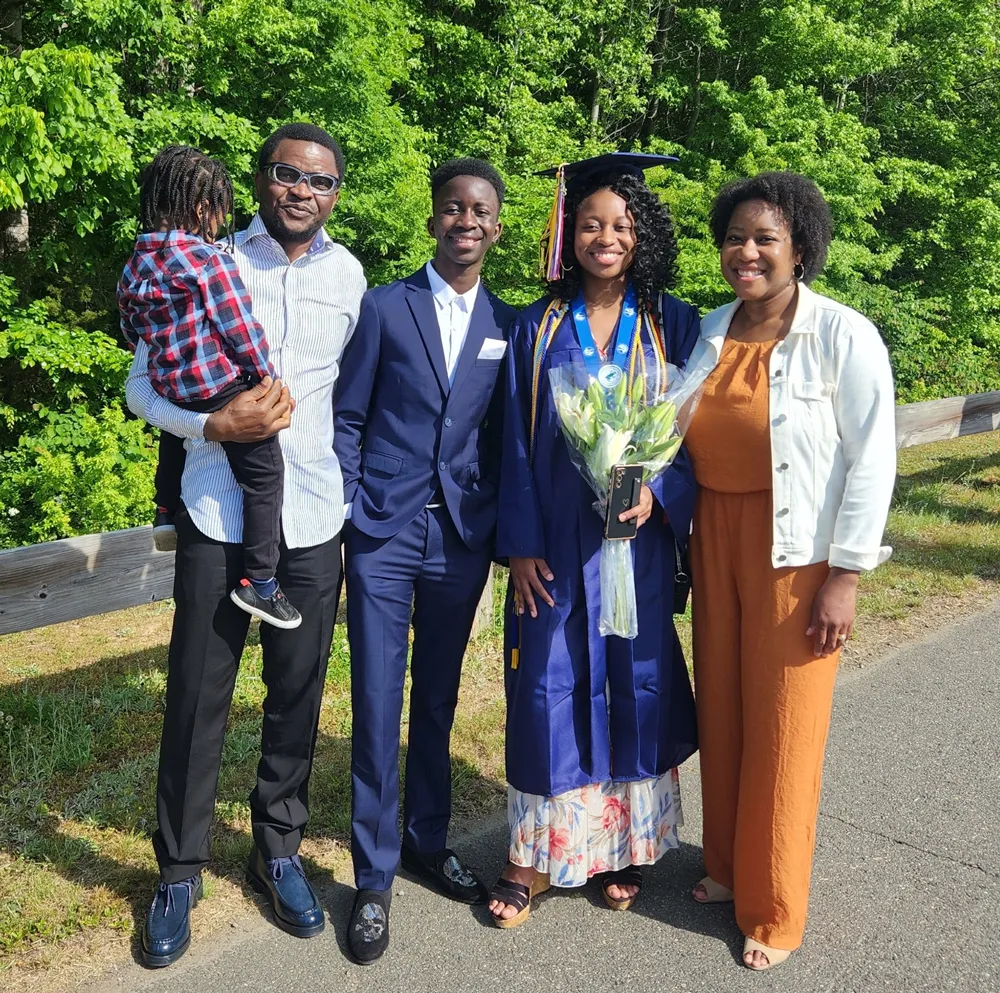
[(183, 296)]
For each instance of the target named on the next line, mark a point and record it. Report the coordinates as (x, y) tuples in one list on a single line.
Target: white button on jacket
[(833, 432)]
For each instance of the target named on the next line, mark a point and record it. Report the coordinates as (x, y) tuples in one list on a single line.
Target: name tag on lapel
[(492, 348)]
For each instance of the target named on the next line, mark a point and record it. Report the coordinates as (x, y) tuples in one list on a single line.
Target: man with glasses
[(306, 293)]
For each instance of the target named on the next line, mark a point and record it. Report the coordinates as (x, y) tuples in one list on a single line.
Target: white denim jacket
[(833, 435)]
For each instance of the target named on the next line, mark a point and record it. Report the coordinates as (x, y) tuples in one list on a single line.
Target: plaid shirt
[(184, 298)]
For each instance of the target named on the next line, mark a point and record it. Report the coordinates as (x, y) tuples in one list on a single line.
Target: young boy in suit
[(417, 431)]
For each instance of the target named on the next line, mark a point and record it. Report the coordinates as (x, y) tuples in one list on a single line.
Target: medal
[(609, 375)]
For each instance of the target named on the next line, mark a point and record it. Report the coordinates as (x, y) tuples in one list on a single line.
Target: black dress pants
[(259, 469), (169, 470), (205, 647)]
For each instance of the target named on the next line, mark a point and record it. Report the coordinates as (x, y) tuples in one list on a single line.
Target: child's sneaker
[(164, 532), (274, 609)]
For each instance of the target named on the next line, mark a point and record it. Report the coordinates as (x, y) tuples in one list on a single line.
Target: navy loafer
[(167, 932), (296, 909), (368, 928), (446, 873)]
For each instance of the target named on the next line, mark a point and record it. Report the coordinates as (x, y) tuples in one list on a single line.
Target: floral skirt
[(597, 828)]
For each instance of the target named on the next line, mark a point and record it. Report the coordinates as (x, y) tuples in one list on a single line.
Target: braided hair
[(176, 183)]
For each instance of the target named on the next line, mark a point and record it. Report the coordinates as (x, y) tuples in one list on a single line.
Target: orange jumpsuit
[(763, 697)]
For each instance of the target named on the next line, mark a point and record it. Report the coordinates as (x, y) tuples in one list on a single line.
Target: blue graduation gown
[(582, 708)]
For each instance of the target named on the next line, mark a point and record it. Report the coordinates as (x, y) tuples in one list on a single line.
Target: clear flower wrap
[(624, 425)]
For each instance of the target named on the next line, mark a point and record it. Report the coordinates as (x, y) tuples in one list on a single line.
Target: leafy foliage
[(75, 473), (856, 94)]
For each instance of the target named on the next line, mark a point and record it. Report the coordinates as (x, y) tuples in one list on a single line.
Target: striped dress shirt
[(308, 309)]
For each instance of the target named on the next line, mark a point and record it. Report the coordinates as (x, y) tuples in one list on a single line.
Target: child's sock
[(265, 588)]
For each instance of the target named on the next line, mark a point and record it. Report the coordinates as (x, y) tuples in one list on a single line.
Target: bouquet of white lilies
[(609, 427)]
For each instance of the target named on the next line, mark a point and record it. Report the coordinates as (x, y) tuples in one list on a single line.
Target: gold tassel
[(551, 245)]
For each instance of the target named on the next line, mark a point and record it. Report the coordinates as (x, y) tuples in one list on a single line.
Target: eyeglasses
[(321, 183)]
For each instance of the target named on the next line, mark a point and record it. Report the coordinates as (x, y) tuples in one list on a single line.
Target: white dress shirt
[(308, 309), (454, 311), (833, 434)]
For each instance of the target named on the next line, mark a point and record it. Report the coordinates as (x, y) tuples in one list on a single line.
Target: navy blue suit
[(406, 438)]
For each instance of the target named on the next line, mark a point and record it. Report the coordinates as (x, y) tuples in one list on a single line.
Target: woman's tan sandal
[(774, 956), (629, 876), (714, 892), (518, 896)]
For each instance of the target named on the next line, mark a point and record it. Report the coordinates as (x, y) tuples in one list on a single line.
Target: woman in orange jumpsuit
[(793, 447)]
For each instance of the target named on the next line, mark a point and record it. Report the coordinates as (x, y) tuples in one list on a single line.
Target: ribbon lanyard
[(609, 373)]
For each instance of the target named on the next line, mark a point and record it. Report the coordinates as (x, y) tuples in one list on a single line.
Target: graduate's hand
[(254, 415), (525, 573), (641, 510), (833, 612)]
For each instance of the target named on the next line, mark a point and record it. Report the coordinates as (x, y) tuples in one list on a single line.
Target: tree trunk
[(659, 46), (695, 97), (14, 241), (13, 223), (595, 100), (11, 15)]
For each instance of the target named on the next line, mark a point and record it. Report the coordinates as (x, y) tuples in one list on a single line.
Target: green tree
[(890, 105)]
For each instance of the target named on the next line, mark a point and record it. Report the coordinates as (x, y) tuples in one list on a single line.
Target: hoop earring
[(798, 271)]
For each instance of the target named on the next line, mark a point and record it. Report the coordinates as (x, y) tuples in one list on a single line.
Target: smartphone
[(623, 494)]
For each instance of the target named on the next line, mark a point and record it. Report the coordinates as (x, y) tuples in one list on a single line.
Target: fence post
[(484, 612)]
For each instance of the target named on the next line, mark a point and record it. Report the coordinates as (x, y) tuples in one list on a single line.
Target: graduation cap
[(568, 175)]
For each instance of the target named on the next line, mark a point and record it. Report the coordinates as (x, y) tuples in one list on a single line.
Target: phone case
[(624, 492)]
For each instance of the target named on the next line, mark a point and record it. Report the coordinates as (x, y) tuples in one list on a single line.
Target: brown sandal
[(774, 956), (519, 896), (714, 892), (629, 876)]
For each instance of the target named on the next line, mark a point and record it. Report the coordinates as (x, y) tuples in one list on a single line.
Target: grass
[(944, 528), (81, 705), (80, 710)]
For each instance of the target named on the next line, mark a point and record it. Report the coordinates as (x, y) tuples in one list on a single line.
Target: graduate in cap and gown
[(596, 726)]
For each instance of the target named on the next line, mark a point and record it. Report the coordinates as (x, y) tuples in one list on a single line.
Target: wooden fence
[(78, 577)]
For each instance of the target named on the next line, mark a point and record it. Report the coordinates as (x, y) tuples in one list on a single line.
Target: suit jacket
[(401, 432)]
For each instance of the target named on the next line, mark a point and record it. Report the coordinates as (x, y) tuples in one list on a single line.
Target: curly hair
[(179, 181), (479, 168), (654, 265), (799, 201)]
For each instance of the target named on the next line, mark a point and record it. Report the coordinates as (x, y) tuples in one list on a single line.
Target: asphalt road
[(906, 885)]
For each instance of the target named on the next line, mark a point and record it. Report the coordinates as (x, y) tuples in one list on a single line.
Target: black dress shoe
[(167, 931), (446, 873), (296, 909), (368, 929)]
